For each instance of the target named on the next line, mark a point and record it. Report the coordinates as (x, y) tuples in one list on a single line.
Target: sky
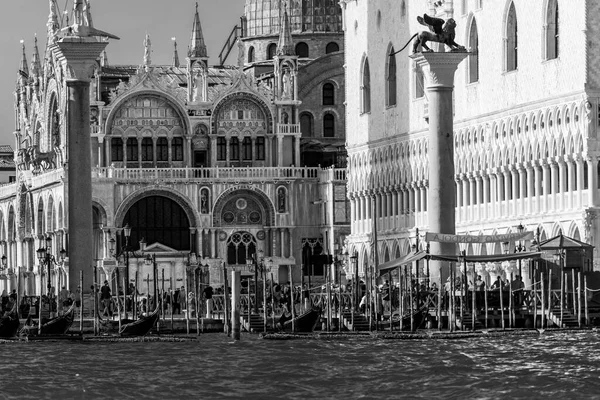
[(128, 19)]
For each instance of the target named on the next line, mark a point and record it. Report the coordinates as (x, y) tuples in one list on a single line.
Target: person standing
[(181, 298), (208, 294), (176, 307), (105, 298)]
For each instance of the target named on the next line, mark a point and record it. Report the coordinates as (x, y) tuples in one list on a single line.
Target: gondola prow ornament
[(440, 31)]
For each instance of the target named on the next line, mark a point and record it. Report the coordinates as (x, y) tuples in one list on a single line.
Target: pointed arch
[(511, 38), (551, 29), (390, 77), (365, 86), (473, 45)]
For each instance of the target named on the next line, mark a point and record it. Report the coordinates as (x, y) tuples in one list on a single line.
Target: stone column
[(472, 205), (546, 185), (580, 176), (478, 197), (562, 179), (280, 150), (530, 186), (439, 69), (571, 184), (522, 189), (77, 57), (554, 189), (538, 186), (514, 190), (486, 194), (297, 150), (592, 181)]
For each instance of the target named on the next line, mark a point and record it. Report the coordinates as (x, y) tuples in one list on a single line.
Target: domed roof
[(263, 17)]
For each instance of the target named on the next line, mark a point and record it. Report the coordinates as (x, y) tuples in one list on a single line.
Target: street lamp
[(520, 247), (151, 260), (126, 251), (46, 257), (354, 257)]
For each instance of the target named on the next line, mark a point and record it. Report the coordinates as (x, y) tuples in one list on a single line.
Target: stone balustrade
[(213, 174), (288, 129)]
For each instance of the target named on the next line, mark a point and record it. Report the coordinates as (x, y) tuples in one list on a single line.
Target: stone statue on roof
[(82, 22)]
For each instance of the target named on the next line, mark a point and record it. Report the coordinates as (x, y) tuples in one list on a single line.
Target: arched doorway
[(158, 219)]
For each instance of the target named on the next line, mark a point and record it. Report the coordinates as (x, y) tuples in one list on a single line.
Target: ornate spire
[(36, 65), (175, 53), (147, 50), (285, 47), (53, 25), (197, 46), (23, 66)]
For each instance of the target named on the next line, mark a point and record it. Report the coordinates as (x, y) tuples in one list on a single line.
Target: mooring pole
[(235, 303)]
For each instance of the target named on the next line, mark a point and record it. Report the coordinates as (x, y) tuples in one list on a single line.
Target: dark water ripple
[(551, 365)]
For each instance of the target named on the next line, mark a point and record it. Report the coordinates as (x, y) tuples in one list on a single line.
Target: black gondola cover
[(141, 327)]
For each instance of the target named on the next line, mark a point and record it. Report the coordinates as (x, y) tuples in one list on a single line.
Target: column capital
[(439, 68), (77, 57)]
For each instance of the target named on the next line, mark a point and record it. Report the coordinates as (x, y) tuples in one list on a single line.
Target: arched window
[(271, 50), (177, 149), (390, 79), (162, 149), (474, 56), (332, 48), (552, 30), (302, 50), (260, 148), (221, 149), (251, 54), (328, 125), (234, 149), (306, 124), (147, 149), (132, 149), (247, 148), (116, 149), (511, 39), (240, 247), (419, 82), (328, 94), (281, 200), (366, 87)]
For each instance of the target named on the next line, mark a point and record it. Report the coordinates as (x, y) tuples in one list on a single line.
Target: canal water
[(558, 365)]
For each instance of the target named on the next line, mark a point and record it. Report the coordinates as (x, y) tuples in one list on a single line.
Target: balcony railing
[(288, 129), (212, 174)]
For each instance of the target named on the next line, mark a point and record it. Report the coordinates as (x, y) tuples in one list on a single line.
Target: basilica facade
[(526, 116), (228, 163)]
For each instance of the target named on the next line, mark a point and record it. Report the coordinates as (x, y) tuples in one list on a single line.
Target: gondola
[(59, 325), (142, 326), (9, 324), (305, 322)]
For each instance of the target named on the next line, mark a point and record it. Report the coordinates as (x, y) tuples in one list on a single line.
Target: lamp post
[(127, 232), (354, 257), (520, 247), (47, 258), (151, 260)]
